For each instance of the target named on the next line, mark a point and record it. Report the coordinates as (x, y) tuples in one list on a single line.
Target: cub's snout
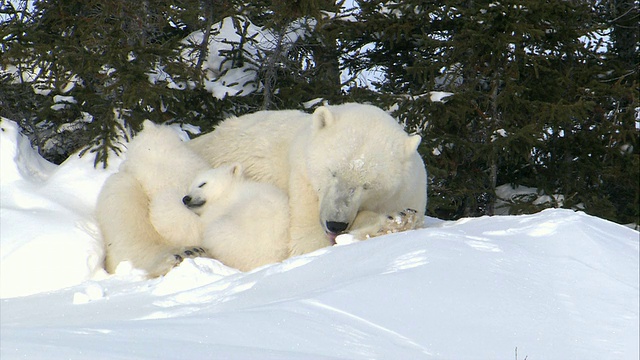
[(192, 203)]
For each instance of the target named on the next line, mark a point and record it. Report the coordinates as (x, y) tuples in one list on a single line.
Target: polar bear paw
[(377, 225), (401, 221), (169, 258), (407, 219), (189, 252)]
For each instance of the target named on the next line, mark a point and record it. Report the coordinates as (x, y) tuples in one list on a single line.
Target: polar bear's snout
[(192, 203), (336, 227), (339, 205)]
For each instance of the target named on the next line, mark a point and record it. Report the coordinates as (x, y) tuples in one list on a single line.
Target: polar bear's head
[(358, 158), (154, 143), (158, 158), (211, 185)]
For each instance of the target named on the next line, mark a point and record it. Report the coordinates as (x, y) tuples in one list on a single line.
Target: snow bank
[(555, 285), (48, 239)]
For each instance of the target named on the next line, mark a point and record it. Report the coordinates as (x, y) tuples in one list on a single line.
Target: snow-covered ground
[(555, 285)]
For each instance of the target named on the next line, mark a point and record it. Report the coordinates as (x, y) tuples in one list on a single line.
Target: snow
[(313, 102), (508, 196), (45, 210), (439, 96), (555, 285), (224, 78)]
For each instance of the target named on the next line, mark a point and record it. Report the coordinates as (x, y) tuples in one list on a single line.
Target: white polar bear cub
[(139, 210), (246, 223)]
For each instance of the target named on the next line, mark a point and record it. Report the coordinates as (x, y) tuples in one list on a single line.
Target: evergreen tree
[(527, 106), (623, 16), (541, 94), (83, 75), (302, 63), (102, 68)]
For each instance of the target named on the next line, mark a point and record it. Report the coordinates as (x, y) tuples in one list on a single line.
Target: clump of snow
[(193, 273), (510, 197), (313, 102), (500, 133), (439, 96), (555, 285), (345, 239), (91, 292)]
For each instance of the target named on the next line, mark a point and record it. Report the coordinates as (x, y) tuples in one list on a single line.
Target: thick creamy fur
[(351, 163), (139, 209), (246, 223)]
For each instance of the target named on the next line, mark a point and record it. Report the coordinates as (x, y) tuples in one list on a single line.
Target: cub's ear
[(237, 169), (411, 145), (322, 118)]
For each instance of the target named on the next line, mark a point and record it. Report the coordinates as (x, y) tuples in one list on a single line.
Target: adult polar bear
[(346, 168)]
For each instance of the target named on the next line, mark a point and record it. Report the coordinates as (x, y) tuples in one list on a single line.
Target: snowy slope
[(555, 285)]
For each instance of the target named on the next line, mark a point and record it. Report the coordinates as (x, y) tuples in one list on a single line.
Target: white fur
[(139, 209), (246, 222), (351, 163)]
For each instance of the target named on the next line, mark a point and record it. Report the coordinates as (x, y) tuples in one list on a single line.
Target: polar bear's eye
[(203, 184), (334, 174), (366, 186)]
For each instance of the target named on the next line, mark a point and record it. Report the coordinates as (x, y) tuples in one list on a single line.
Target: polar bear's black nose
[(336, 227), (186, 200)]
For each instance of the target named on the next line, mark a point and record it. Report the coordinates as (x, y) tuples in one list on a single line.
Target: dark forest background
[(540, 95)]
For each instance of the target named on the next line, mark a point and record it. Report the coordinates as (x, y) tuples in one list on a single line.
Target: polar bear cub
[(139, 210), (246, 223)]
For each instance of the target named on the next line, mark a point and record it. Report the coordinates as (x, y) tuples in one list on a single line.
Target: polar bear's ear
[(148, 124), (322, 118), (237, 169), (411, 145)]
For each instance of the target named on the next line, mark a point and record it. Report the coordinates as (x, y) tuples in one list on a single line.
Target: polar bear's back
[(260, 141)]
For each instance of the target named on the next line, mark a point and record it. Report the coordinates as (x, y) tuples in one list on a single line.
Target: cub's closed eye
[(203, 184)]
